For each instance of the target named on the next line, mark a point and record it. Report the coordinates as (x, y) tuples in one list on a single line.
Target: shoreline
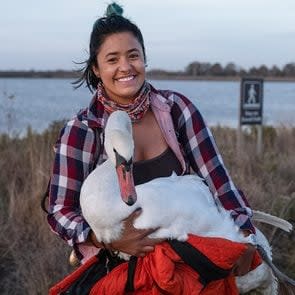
[(219, 78), (150, 76)]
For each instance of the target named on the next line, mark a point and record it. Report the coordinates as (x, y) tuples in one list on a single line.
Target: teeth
[(126, 79)]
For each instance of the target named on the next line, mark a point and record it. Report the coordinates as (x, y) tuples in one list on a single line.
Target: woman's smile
[(126, 79)]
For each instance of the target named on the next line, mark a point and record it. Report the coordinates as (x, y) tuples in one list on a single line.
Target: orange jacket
[(163, 272)]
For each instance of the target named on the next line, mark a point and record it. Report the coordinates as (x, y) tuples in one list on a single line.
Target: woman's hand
[(243, 265), (135, 241)]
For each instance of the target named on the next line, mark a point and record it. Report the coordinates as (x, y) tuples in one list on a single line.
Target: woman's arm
[(73, 158), (204, 158)]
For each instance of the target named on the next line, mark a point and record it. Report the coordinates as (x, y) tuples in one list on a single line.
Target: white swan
[(175, 218), (179, 205)]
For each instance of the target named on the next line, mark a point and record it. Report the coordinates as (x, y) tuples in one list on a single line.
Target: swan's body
[(178, 205), (186, 209)]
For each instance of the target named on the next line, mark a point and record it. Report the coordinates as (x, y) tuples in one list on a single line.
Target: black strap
[(113, 260), (84, 284), (207, 270), (131, 273)]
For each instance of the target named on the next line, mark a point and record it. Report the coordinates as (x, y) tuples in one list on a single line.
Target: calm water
[(38, 102)]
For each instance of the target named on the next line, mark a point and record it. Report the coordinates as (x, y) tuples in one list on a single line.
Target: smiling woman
[(169, 136), (120, 66)]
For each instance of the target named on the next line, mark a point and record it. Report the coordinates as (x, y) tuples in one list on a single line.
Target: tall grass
[(32, 258), (268, 180)]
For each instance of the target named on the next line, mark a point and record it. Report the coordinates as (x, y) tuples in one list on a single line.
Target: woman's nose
[(124, 65)]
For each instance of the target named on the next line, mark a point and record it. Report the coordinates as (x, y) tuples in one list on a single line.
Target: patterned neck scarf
[(136, 110)]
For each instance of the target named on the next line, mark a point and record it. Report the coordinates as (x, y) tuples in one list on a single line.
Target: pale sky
[(49, 35)]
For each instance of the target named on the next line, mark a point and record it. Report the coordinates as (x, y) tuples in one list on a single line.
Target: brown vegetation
[(32, 258)]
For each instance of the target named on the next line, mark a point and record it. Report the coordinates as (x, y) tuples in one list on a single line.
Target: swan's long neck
[(119, 146), (118, 136)]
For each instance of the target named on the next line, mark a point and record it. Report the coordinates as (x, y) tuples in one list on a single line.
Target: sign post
[(251, 108)]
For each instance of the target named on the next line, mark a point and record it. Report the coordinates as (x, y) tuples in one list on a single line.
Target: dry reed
[(32, 258)]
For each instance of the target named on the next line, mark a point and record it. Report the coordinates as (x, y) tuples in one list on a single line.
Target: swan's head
[(119, 147)]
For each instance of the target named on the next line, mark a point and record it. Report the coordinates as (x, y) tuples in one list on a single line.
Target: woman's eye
[(112, 60), (134, 56)]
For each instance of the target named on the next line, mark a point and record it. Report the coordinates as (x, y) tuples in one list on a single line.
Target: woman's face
[(121, 66)]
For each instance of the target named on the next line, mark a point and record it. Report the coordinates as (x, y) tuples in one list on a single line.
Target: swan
[(108, 196)]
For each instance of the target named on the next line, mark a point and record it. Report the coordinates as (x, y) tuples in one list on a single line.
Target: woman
[(169, 133)]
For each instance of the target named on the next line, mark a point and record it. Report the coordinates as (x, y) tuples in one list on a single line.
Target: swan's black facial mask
[(125, 179)]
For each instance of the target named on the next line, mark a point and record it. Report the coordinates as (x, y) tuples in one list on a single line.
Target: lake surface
[(38, 102)]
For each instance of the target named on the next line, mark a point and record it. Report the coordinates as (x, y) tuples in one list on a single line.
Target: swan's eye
[(128, 165), (119, 159)]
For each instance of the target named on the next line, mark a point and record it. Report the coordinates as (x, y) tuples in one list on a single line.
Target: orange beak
[(125, 178)]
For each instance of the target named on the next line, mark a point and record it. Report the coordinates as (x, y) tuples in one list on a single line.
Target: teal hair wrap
[(114, 8)]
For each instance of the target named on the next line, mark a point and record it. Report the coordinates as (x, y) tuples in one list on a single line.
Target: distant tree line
[(206, 69), (39, 74), (194, 69)]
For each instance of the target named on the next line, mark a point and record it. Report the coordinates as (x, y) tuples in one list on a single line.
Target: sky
[(50, 35)]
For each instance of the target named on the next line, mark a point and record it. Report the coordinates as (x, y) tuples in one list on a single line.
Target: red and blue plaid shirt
[(75, 159)]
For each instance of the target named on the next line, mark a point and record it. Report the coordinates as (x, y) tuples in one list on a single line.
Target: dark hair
[(103, 28)]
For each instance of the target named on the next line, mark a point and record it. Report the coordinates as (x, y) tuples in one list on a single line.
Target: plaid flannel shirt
[(74, 160)]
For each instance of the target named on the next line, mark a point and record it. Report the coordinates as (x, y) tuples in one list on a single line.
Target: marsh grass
[(32, 258)]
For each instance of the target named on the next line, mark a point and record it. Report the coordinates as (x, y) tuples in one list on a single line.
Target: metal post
[(239, 140), (259, 139)]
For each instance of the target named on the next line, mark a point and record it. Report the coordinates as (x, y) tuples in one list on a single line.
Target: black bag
[(106, 261)]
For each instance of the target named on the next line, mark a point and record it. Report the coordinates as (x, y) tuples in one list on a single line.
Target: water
[(38, 102)]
